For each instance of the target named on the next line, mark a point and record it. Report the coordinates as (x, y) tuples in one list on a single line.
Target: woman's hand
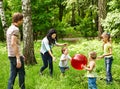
[(65, 44), (54, 59)]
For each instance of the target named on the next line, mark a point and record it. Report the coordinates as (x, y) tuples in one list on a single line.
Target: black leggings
[(47, 59)]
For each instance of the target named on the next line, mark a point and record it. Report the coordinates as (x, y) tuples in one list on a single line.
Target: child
[(107, 47), (91, 71), (63, 64)]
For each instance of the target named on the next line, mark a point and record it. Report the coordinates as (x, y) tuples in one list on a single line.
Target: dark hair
[(17, 17), (49, 36)]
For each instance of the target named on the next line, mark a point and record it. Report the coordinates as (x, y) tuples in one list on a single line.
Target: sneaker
[(41, 73), (109, 82), (51, 75)]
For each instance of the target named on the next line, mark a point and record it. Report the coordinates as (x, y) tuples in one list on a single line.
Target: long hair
[(107, 35), (49, 36)]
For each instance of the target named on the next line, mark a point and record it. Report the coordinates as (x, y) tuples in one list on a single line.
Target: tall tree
[(2, 16), (28, 43), (73, 14), (102, 14), (61, 9)]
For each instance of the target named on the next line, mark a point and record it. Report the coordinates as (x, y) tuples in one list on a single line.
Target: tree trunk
[(73, 14), (61, 9), (102, 14), (78, 7), (2, 16), (28, 49)]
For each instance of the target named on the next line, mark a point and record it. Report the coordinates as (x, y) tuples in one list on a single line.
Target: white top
[(64, 60), (45, 45), (92, 73)]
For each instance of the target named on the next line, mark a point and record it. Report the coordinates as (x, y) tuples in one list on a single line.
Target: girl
[(46, 50), (91, 74), (107, 47)]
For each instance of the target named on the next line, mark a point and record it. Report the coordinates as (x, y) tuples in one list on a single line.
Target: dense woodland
[(68, 16), (71, 18)]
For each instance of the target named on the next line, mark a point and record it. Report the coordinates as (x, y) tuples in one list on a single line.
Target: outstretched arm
[(58, 44)]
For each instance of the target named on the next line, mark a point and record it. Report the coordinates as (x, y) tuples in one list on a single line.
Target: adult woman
[(46, 50)]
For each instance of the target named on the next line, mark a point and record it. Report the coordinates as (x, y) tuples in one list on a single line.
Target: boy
[(63, 64)]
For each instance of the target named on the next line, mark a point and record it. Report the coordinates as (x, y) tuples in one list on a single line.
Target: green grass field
[(74, 79)]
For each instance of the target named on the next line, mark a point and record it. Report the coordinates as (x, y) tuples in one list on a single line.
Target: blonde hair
[(93, 55), (63, 49), (106, 34)]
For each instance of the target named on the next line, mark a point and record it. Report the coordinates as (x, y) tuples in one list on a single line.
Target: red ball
[(78, 60)]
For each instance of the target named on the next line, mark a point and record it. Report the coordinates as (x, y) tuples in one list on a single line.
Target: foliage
[(114, 4), (112, 22), (46, 14), (74, 79)]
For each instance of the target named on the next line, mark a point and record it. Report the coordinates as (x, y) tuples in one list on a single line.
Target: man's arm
[(14, 44)]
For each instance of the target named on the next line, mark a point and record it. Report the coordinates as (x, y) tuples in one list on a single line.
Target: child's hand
[(65, 44), (83, 66)]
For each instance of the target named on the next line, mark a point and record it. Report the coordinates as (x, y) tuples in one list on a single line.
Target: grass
[(74, 79)]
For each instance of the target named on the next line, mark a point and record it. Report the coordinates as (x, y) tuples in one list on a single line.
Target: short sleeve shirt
[(64, 63), (12, 30)]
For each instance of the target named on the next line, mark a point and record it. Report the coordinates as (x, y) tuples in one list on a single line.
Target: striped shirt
[(12, 30)]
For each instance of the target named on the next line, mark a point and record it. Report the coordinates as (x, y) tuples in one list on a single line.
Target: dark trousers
[(47, 59), (14, 71), (108, 65)]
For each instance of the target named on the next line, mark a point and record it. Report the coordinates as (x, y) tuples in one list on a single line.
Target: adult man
[(14, 53)]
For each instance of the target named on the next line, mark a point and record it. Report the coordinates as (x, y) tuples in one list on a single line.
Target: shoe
[(51, 75), (109, 82), (41, 73)]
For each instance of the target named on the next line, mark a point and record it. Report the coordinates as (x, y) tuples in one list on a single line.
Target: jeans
[(92, 83), (108, 65), (14, 71), (62, 69), (47, 59)]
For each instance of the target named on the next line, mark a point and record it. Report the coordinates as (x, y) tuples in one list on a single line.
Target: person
[(107, 47), (63, 64), (14, 53), (91, 74), (46, 50)]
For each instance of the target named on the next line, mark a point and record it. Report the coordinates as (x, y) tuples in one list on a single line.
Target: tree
[(2, 16), (61, 8), (73, 14), (28, 49), (102, 14)]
